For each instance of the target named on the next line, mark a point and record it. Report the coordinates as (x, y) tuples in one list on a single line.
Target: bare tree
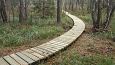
[(110, 11)]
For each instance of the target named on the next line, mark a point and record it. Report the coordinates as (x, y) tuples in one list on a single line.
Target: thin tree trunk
[(22, 16), (58, 11)]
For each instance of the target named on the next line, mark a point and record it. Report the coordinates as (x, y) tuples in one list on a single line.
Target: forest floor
[(15, 38), (89, 49)]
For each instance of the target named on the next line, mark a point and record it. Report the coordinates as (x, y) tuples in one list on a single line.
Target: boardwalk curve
[(33, 55)]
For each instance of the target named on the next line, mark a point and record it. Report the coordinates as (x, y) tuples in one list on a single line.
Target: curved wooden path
[(34, 55)]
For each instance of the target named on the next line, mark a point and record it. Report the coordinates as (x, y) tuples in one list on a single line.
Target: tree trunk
[(3, 11), (26, 12), (96, 15), (110, 11), (58, 11), (22, 16)]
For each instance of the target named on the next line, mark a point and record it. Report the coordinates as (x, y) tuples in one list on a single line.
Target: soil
[(10, 50), (89, 44)]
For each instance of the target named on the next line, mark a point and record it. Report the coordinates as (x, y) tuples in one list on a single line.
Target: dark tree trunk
[(3, 11), (26, 12), (22, 16), (96, 15), (58, 11)]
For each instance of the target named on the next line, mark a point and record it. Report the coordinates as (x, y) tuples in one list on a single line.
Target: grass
[(76, 59), (113, 24), (72, 57), (15, 34)]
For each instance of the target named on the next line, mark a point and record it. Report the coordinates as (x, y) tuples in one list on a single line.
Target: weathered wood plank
[(3, 62), (10, 60), (53, 46), (24, 57), (45, 51), (33, 57), (40, 52), (18, 59), (57, 45), (35, 54)]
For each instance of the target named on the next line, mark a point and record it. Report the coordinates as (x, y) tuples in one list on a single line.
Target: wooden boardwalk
[(34, 55)]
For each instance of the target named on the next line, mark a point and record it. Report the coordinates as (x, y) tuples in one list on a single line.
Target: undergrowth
[(15, 34), (71, 56), (86, 17)]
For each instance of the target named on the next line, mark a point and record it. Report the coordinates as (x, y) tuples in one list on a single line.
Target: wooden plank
[(58, 45), (70, 35), (53, 50), (24, 57), (10, 60), (33, 57), (63, 44), (62, 39), (43, 50), (18, 59), (58, 42), (55, 46), (52, 42), (35, 54), (40, 52), (3, 62)]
